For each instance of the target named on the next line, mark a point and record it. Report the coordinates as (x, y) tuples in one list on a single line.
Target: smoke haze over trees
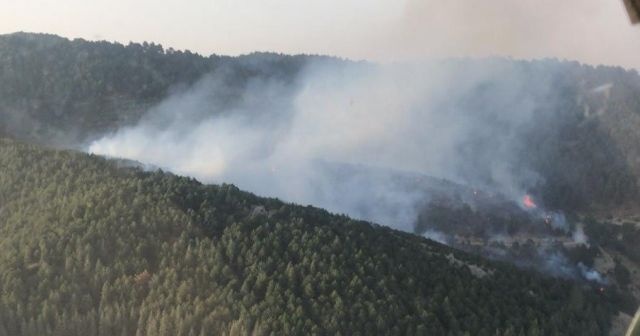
[(92, 248), (503, 125), (446, 149)]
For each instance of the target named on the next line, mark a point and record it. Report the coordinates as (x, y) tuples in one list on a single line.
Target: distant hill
[(91, 247), (63, 92)]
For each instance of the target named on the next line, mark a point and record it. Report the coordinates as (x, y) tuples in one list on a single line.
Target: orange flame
[(528, 202)]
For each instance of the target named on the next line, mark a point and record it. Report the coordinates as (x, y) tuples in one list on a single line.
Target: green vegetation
[(93, 248), (96, 247), (621, 238), (53, 90)]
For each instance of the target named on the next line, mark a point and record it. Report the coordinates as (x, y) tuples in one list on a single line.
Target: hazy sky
[(592, 31)]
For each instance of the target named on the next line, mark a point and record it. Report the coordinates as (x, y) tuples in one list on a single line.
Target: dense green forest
[(58, 91), (92, 247), (98, 247)]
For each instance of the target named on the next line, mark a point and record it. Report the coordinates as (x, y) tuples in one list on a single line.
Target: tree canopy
[(95, 247)]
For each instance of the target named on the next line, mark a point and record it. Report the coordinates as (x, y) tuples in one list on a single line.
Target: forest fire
[(528, 202)]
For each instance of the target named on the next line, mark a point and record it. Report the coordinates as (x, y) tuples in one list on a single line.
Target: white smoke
[(301, 142), (358, 139), (558, 221), (591, 274), (436, 236), (579, 237), (557, 264)]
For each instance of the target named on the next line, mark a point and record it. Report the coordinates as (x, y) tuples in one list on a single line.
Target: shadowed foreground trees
[(93, 248)]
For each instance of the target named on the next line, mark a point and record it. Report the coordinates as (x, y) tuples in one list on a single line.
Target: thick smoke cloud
[(340, 136), (375, 142)]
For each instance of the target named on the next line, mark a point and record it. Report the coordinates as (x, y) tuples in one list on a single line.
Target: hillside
[(94, 248), (444, 149), (581, 144), (64, 92)]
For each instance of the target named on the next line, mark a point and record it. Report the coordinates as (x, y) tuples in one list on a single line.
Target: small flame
[(528, 202)]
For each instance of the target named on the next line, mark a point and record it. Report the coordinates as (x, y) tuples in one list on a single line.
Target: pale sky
[(591, 31)]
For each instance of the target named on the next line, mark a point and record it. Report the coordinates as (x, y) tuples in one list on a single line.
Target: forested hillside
[(90, 247), (96, 247), (585, 152), (58, 91)]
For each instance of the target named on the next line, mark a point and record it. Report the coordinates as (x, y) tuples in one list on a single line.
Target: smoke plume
[(338, 137), (376, 142)]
